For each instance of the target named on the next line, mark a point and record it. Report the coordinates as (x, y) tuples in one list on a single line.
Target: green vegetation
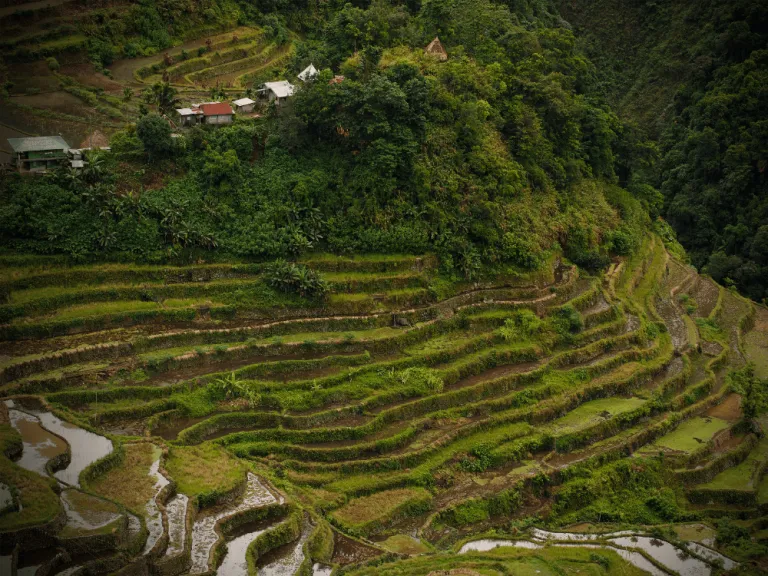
[(691, 434), (446, 420), (423, 300), (371, 513), (687, 75), (204, 472), (129, 483)]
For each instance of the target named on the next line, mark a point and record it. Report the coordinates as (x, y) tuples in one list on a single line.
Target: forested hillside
[(501, 155), (693, 76)]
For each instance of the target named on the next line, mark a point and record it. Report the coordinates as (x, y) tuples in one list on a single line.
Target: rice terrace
[(383, 288), (163, 424)]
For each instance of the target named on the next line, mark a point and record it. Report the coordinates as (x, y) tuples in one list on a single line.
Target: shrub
[(295, 278), (622, 243), (53, 64), (522, 252), (522, 325), (229, 387), (423, 381), (567, 321)]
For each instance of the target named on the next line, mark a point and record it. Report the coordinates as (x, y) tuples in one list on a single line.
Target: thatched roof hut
[(435, 49)]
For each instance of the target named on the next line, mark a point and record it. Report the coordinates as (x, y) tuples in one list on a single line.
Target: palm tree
[(165, 96)]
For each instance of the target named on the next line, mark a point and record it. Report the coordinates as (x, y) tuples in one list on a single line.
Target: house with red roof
[(206, 113), (217, 113)]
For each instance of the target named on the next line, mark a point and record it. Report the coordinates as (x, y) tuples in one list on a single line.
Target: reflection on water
[(639, 561), (235, 562), (349, 551), (6, 498), (154, 518), (285, 560), (711, 555), (675, 559), (176, 510), (85, 512), (666, 554), (321, 570), (86, 447), (204, 535), (487, 544), (39, 444)]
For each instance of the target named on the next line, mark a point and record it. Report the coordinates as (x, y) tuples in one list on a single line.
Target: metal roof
[(280, 89), (308, 73), (187, 111), (244, 102), (216, 109), (38, 144)]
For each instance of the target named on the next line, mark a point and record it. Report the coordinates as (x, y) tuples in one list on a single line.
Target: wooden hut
[(436, 50)]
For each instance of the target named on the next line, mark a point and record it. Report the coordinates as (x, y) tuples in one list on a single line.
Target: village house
[(244, 105), (217, 113), (277, 92), (206, 113), (189, 116), (38, 154)]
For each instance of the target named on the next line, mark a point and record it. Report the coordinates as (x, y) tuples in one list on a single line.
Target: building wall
[(220, 119), (245, 109)]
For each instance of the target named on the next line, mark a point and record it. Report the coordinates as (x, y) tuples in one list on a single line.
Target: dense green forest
[(551, 127), (693, 77)]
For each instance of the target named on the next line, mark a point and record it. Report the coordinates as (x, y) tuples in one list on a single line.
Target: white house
[(308, 73), (279, 91), (244, 105), (189, 116)]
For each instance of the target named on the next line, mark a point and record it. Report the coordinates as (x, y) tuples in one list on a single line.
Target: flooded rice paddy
[(176, 511), (40, 445), (86, 447), (204, 534), (284, 560), (154, 517), (626, 544), (235, 561), (86, 513)]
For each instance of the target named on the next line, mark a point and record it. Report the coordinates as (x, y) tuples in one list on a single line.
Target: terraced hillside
[(57, 84), (174, 420)]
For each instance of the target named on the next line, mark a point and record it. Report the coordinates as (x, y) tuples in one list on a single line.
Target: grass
[(39, 503), (756, 349), (692, 434), (693, 333), (462, 446), (204, 468), (119, 307), (694, 532), (379, 506), (130, 482), (762, 491), (86, 310), (404, 544), (743, 475), (591, 413)]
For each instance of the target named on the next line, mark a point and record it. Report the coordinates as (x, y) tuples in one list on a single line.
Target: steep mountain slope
[(693, 75)]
